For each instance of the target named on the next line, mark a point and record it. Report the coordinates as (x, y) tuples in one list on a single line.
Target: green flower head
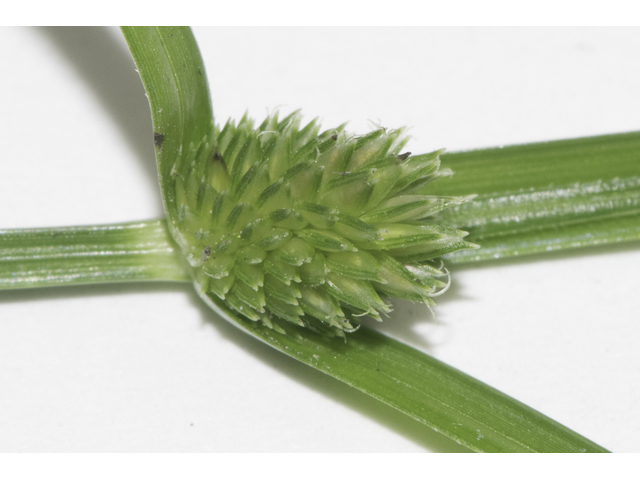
[(291, 225)]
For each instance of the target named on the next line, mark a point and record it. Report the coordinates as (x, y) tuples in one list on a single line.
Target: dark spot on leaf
[(158, 138), (334, 137), (206, 253), (217, 156), (404, 156), (199, 71)]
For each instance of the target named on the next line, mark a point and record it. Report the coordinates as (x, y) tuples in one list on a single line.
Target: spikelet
[(290, 225)]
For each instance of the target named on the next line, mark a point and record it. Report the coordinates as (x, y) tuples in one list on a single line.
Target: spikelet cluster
[(291, 225)]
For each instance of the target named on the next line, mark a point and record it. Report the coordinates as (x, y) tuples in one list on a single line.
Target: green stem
[(132, 252)]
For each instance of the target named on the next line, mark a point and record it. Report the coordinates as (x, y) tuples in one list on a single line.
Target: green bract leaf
[(593, 199), (41, 257), (173, 75), (429, 391)]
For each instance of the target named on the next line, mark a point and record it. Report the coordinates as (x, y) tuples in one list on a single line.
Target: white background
[(150, 368)]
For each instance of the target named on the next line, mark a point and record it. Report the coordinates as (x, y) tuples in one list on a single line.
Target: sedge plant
[(295, 232)]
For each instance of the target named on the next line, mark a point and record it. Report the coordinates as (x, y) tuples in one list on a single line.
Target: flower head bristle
[(293, 226)]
